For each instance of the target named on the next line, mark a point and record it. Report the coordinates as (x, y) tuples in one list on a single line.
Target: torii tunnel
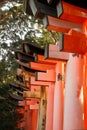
[(53, 81)]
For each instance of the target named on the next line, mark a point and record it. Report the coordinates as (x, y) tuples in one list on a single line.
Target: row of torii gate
[(53, 80)]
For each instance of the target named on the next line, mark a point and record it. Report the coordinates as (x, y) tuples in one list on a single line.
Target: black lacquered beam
[(79, 3), (19, 55), (20, 93), (18, 87), (40, 8), (52, 1), (32, 49), (16, 97), (20, 78), (27, 8)]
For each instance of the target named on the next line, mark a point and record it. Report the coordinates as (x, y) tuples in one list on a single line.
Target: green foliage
[(7, 110), (16, 25), (8, 68)]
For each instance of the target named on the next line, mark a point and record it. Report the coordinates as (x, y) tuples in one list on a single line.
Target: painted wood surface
[(73, 108)]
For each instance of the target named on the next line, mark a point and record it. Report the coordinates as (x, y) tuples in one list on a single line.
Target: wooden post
[(85, 79), (34, 119), (73, 110), (85, 91), (31, 114), (50, 105), (42, 110), (28, 119), (58, 99)]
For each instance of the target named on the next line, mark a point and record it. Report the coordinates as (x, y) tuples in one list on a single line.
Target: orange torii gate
[(47, 66), (80, 48), (77, 62), (28, 108), (31, 99), (41, 95), (31, 94), (38, 66), (29, 113), (50, 99), (49, 72), (50, 76), (72, 22), (75, 13)]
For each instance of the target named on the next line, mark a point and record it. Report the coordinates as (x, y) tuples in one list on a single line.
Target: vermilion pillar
[(49, 112), (31, 116), (85, 91), (28, 120), (73, 110), (85, 79), (34, 119), (58, 99)]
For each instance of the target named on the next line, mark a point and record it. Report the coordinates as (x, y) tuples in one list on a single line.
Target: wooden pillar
[(42, 110), (31, 115), (34, 119), (73, 110), (58, 99), (50, 103), (85, 91), (28, 120), (85, 80)]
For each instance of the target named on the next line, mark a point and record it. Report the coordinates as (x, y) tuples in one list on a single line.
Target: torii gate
[(48, 76), (46, 66), (75, 15)]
